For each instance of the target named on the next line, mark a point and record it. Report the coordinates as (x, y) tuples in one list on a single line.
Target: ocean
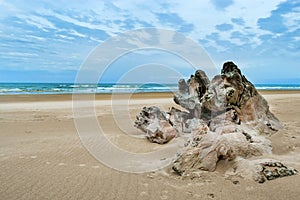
[(69, 88)]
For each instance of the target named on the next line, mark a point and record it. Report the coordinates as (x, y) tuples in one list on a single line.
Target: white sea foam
[(69, 88)]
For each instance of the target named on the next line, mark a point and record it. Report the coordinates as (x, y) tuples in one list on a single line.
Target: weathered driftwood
[(155, 124), (225, 118)]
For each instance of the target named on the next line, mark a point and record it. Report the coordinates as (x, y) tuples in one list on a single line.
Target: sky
[(48, 41)]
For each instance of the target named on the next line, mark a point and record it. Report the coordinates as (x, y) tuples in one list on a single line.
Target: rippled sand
[(41, 155)]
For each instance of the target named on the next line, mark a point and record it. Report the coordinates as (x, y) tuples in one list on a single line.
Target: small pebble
[(61, 164), (211, 195), (150, 176)]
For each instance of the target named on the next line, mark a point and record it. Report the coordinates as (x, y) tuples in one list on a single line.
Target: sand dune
[(41, 155)]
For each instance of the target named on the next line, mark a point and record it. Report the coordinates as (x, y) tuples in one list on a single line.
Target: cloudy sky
[(47, 41)]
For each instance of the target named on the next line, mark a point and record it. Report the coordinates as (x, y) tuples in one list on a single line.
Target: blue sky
[(47, 41)]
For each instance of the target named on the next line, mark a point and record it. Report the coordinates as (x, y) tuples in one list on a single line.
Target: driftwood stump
[(225, 118)]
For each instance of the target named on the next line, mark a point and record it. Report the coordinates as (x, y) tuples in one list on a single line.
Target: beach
[(42, 157)]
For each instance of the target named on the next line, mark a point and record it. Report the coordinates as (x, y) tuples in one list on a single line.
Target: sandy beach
[(42, 157)]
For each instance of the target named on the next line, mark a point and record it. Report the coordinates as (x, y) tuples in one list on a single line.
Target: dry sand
[(41, 155)]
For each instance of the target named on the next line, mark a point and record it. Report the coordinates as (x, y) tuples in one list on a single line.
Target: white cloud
[(206, 17), (30, 37), (114, 17), (202, 14), (37, 21), (18, 54), (291, 20), (75, 33), (96, 40), (6, 8), (143, 9), (297, 38), (86, 24), (65, 37)]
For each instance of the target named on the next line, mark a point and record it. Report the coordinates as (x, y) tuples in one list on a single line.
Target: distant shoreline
[(109, 88), (4, 98)]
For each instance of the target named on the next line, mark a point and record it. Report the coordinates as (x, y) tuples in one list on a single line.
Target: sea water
[(69, 88)]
